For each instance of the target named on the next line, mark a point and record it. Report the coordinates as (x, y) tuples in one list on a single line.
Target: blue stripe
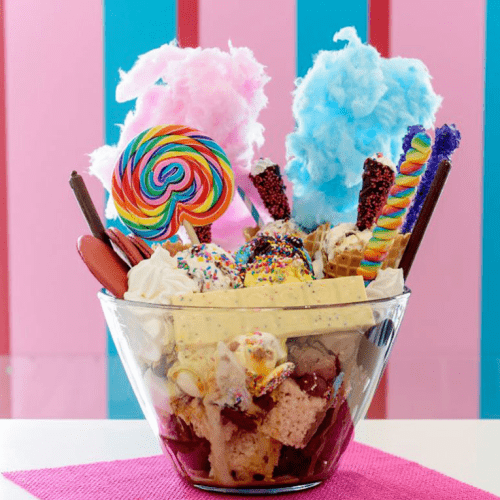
[(319, 20), (130, 29), (252, 207), (256, 216), (489, 404)]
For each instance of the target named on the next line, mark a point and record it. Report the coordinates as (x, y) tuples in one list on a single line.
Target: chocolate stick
[(88, 208), (424, 217)]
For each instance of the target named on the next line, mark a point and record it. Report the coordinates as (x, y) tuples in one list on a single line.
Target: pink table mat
[(365, 473)]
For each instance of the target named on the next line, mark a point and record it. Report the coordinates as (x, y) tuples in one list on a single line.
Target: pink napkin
[(365, 473)]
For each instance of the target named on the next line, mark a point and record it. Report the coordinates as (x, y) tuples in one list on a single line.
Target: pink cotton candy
[(220, 93)]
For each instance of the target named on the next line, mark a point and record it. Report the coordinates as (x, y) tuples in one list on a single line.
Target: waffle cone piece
[(249, 233), (313, 241), (346, 263)]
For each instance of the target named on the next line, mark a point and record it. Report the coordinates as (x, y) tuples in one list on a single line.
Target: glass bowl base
[(258, 491)]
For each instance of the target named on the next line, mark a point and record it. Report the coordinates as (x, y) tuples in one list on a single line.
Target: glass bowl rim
[(104, 295)]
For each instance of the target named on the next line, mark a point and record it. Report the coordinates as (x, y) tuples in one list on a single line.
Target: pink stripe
[(5, 404), (438, 348), (5, 399), (58, 386), (378, 35), (55, 117), (4, 234), (269, 30)]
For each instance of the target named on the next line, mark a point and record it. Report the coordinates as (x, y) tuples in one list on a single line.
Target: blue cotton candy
[(351, 104)]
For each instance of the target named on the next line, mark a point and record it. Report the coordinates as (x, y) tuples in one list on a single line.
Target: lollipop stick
[(424, 217), (88, 208), (251, 207), (191, 232)]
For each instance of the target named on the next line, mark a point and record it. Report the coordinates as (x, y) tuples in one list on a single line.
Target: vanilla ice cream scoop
[(275, 260), (210, 266), (281, 227), (231, 380), (272, 270), (258, 352), (344, 237), (193, 369)]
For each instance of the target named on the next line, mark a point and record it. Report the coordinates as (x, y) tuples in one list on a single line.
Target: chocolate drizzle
[(278, 247)]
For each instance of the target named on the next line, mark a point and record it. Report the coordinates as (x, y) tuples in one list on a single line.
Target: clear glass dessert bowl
[(254, 400)]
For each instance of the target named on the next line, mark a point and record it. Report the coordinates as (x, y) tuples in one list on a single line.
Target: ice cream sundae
[(253, 361)]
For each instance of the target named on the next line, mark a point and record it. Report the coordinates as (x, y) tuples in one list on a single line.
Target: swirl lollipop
[(170, 175)]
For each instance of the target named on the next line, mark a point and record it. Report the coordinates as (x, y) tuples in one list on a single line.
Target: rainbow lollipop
[(393, 214), (170, 175)]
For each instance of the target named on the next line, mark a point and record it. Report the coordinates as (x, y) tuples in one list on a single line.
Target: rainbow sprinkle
[(210, 264)]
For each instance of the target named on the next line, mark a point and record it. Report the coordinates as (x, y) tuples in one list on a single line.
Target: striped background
[(61, 60)]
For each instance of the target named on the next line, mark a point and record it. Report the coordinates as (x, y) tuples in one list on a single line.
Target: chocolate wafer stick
[(271, 187), (424, 217), (377, 181), (204, 233), (88, 208)]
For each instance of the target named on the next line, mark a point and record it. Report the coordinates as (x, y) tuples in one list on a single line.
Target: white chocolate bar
[(207, 326)]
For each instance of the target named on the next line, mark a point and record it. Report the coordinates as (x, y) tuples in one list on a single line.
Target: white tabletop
[(467, 450)]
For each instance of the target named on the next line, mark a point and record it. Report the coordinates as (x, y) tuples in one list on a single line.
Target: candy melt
[(274, 379), (259, 352), (168, 175), (400, 196)]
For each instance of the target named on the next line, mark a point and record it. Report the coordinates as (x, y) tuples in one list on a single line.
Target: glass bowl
[(254, 400)]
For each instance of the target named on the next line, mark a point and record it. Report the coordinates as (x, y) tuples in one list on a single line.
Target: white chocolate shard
[(200, 326)]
